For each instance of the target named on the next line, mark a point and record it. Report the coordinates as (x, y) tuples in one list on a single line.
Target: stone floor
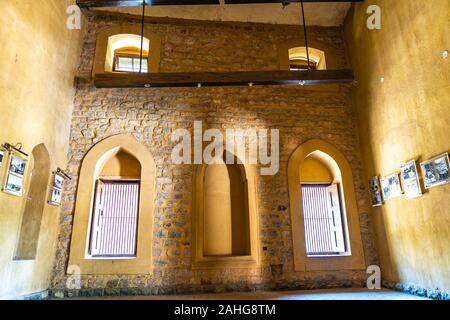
[(341, 294)]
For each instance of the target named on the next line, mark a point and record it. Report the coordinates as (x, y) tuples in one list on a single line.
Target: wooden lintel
[(134, 3), (215, 79)]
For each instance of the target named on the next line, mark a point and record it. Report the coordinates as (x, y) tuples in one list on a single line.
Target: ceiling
[(318, 14)]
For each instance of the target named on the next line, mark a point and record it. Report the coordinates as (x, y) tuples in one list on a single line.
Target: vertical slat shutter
[(322, 218), (114, 230)]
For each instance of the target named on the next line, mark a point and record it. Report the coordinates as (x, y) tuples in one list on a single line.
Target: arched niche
[(332, 165), (30, 227), (125, 36), (109, 158), (225, 222), (120, 165)]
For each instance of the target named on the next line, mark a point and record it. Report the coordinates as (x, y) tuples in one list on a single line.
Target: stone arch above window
[(126, 41), (334, 168), (225, 221), (119, 156), (322, 55), (29, 233)]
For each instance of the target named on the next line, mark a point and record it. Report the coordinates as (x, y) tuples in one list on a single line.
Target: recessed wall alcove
[(224, 218), (29, 232)]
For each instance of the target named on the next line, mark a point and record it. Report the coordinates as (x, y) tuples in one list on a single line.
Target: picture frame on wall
[(56, 190), (16, 175), (410, 179), (375, 192), (2, 156), (436, 171), (391, 186)]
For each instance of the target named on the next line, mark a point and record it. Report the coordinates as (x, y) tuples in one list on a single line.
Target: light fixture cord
[(142, 35), (306, 35)]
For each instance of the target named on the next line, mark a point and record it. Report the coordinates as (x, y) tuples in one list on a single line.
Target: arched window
[(225, 221), (324, 215), (113, 221), (124, 53), (322, 56), (298, 59), (34, 206), (118, 49)]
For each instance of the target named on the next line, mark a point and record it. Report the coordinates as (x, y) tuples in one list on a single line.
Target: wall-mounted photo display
[(16, 173), (391, 187), (436, 171), (2, 156), (410, 179), (375, 192), (56, 190)]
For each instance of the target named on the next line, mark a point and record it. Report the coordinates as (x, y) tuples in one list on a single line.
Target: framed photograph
[(2, 156), (375, 192), (56, 190), (436, 171), (391, 187), (55, 197), (410, 179), (15, 178)]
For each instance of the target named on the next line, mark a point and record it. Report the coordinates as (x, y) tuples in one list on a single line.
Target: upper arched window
[(118, 49), (292, 55), (124, 53), (298, 59)]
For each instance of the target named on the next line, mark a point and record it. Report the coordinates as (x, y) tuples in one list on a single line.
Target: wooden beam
[(214, 79), (135, 3)]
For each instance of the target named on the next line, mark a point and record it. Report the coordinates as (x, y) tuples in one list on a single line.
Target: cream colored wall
[(38, 56), (405, 118)]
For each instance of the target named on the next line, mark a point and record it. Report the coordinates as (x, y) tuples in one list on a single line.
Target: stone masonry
[(151, 115)]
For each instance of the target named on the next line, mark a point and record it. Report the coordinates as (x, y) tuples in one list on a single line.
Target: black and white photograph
[(410, 180), (14, 181), (56, 190), (2, 155), (375, 192), (58, 181), (14, 185), (17, 165), (55, 197), (391, 186), (436, 171)]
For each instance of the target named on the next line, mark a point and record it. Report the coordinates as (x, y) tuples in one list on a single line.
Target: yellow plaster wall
[(122, 165), (38, 56), (405, 118), (313, 170)]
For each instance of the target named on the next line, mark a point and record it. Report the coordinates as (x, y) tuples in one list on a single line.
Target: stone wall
[(151, 115)]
